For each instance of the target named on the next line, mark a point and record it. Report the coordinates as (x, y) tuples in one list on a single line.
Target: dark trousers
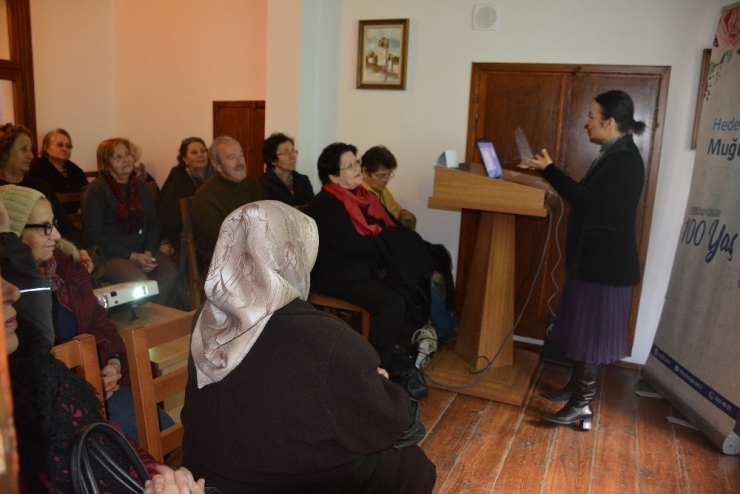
[(385, 305)]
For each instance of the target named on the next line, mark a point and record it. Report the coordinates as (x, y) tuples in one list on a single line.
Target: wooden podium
[(488, 312)]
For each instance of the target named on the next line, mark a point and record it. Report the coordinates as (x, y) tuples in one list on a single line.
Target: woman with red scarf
[(120, 216), (366, 256)]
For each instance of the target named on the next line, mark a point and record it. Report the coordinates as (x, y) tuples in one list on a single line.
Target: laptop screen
[(489, 157)]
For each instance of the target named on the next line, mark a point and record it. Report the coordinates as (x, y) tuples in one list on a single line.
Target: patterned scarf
[(262, 262), (49, 271), (129, 210), (359, 200)]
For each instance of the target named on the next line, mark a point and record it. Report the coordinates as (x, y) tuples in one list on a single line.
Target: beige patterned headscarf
[(262, 262)]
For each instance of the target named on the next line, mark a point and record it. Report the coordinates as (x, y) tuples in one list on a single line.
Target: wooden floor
[(481, 446)]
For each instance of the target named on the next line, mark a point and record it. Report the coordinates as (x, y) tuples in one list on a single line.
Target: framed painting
[(381, 54)]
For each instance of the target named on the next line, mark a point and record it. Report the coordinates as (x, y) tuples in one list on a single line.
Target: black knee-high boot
[(578, 407), (563, 393)]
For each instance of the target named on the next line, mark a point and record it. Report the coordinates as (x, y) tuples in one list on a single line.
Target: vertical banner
[(695, 358)]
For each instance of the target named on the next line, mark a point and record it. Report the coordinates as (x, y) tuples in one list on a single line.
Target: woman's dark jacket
[(278, 191), (179, 184), (601, 244), (398, 255), (73, 182), (103, 229), (91, 317)]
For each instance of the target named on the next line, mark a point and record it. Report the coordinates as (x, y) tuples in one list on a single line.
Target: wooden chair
[(149, 390), (196, 278), (73, 197), (81, 355), (341, 308)]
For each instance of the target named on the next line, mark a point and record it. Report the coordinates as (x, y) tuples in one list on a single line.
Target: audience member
[(55, 168), (320, 416), (75, 309), (225, 191), (119, 215), (378, 165), (366, 257), (50, 403), (280, 180), (16, 155), (192, 171)]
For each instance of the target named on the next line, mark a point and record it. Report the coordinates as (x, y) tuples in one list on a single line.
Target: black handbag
[(403, 372), (100, 452), (415, 432)]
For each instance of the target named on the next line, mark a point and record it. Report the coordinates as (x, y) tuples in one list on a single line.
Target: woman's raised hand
[(540, 161)]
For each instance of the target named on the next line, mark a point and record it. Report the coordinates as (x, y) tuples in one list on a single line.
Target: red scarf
[(359, 200), (129, 208)]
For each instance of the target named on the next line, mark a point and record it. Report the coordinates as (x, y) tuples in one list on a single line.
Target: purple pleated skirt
[(592, 322)]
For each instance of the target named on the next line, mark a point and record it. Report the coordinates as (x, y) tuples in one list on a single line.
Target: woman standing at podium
[(601, 252)]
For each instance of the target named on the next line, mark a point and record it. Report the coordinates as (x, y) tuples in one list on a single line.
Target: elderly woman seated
[(280, 180), (366, 256), (282, 397), (74, 308), (119, 215), (378, 164)]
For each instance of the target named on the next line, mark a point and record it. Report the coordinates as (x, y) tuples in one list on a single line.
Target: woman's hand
[(383, 372), (539, 162), (144, 260), (111, 374), (166, 248), (86, 260), (170, 481)]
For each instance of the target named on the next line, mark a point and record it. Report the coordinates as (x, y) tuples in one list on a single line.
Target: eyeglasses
[(384, 177), (288, 153), (355, 164), (120, 157), (48, 227)]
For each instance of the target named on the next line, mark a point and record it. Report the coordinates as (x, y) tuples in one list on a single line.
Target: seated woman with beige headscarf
[(282, 397)]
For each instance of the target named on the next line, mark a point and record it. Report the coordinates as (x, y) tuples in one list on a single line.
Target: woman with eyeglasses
[(55, 168), (366, 256), (16, 155), (378, 165), (74, 308), (120, 216), (280, 180), (192, 171)]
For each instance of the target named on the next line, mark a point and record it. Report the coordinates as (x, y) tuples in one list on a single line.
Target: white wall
[(149, 71), (73, 72), (431, 115)]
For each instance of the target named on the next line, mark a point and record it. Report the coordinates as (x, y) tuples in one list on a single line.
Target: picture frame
[(706, 56), (382, 52)]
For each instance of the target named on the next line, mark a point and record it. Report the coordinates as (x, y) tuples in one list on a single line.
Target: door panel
[(245, 122), (550, 103)]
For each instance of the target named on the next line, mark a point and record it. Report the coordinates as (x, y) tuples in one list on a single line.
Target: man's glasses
[(384, 177), (355, 164), (48, 227)]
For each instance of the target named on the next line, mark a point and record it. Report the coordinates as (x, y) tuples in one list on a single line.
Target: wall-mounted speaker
[(485, 17)]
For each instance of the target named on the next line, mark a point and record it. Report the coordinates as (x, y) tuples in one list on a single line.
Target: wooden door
[(550, 103), (245, 122)]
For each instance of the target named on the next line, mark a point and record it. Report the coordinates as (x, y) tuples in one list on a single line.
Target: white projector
[(130, 294)]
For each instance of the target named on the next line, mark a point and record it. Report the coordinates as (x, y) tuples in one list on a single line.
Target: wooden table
[(165, 358)]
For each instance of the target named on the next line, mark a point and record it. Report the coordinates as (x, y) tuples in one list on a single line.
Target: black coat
[(305, 411), (179, 185), (75, 180), (278, 191), (601, 243)]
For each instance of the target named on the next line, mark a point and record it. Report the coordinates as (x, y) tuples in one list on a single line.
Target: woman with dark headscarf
[(192, 171), (601, 252), (282, 397), (119, 215)]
